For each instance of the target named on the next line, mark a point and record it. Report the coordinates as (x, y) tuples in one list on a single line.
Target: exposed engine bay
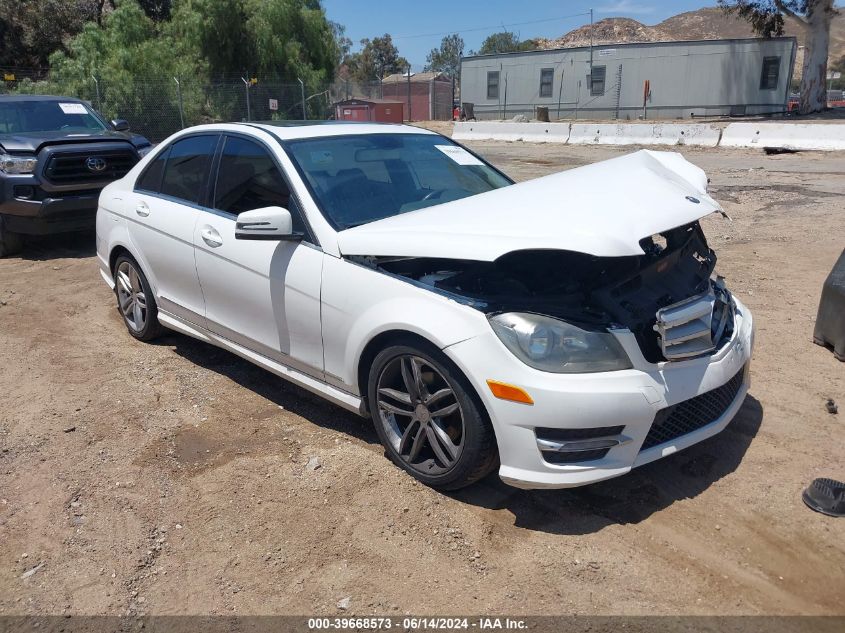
[(589, 291)]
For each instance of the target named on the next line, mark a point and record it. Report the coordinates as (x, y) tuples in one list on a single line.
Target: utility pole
[(409, 93), (591, 45), (560, 91), (97, 87), (302, 92), (246, 88), (181, 105)]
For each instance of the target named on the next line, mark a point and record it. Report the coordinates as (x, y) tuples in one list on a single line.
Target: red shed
[(428, 94), (377, 110)]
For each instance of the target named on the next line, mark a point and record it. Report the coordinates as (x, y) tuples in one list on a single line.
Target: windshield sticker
[(73, 108), (459, 155), (322, 158)]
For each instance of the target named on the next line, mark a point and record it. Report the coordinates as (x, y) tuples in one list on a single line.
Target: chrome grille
[(696, 325)]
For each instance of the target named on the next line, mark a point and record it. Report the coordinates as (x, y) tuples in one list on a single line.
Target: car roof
[(39, 98), (290, 130)]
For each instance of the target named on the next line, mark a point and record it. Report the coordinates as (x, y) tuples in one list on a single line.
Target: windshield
[(358, 179), (18, 117)]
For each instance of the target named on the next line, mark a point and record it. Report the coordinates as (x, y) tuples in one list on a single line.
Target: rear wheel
[(428, 418), (10, 243), (135, 300)]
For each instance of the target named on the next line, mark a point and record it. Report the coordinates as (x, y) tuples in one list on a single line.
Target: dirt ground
[(171, 478)]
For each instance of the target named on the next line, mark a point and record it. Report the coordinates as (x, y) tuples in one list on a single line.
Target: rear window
[(187, 167), (150, 180)]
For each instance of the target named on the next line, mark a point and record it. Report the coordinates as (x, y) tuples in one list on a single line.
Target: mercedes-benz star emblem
[(96, 164)]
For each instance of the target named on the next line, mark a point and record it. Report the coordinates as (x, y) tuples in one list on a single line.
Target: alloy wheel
[(420, 414), (131, 297)]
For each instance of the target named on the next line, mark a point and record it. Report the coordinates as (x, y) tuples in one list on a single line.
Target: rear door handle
[(211, 237), (142, 209)]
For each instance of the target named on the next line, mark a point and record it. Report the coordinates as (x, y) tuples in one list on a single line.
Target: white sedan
[(563, 330)]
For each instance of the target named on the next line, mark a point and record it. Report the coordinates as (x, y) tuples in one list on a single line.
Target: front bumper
[(630, 398), (49, 211)]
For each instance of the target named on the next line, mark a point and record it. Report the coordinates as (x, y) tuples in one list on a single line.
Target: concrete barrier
[(534, 132), (699, 134), (798, 136), (785, 135)]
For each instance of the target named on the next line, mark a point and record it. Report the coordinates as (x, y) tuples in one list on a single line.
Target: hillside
[(703, 24)]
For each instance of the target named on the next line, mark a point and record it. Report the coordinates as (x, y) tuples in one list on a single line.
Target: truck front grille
[(65, 168), (690, 415)]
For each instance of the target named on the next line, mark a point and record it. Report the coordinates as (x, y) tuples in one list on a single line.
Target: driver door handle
[(211, 237), (142, 209)]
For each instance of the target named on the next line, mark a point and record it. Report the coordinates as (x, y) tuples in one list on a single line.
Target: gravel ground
[(173, 478)]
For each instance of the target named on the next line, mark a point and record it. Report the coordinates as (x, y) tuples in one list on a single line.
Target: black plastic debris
[(831, 407), (826, 496), (830, 322), (780, 150)]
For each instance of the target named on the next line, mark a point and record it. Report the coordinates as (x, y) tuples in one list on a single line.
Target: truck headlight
[(12, 164), (555, 346), (143, 151)]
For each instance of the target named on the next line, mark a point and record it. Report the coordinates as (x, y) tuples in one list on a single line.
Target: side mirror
[(120, 125), (269, 223)]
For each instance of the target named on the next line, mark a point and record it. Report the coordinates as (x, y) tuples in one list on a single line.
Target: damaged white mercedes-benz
[(563, 330)]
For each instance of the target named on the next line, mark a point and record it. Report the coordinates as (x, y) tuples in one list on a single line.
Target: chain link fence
[(157, 108)]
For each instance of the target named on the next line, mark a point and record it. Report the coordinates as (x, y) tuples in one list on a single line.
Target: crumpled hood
[(33, 141), (603, 209)]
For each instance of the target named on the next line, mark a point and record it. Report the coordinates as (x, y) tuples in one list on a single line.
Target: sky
[(418, 26)]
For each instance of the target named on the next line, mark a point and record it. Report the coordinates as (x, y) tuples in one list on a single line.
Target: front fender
[(359, 303)]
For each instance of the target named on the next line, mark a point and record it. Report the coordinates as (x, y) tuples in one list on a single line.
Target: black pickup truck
[(56, 154)]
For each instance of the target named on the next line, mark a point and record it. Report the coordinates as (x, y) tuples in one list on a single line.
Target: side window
[(187, 166), (150, 180), (597, 81), (493, 84), (547, 78), (248, 179), (771, 71)]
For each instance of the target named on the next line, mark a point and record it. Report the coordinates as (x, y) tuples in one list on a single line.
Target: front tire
[(135, 300), (428, 417)]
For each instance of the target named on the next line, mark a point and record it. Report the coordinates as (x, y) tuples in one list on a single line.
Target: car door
[(163, 213), (262, 294)]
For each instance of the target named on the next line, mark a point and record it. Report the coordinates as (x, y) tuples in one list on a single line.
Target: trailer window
[(493, 84), (547, 79), (771, 73), (597, 81)]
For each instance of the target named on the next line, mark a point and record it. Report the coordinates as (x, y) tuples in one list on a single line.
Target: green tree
[(504, 42), (126, 68), (814, 18), (838, 66), (282, 39), (157, 10), (377, 58), (342, 42), (447, 58), (31, 30)]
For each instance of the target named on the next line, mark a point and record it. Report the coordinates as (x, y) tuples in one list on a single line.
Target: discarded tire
[(830, 322), (826, 496)]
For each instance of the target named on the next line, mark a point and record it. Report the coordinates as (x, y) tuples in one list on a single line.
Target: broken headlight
[(555, 346)]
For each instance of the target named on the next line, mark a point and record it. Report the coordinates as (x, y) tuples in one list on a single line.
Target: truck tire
[(10, 243)]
